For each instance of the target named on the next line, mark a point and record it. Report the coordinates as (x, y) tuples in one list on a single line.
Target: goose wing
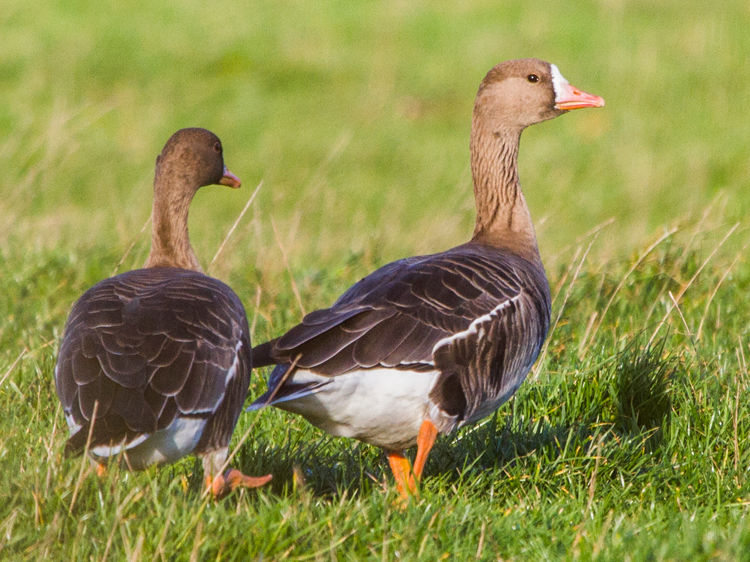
[(423, 313), (146, 347)]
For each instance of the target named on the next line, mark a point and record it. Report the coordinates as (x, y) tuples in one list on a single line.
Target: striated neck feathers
[(170, 244), (503, 218)]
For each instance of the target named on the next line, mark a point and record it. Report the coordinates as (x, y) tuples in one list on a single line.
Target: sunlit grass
[(628, 441)]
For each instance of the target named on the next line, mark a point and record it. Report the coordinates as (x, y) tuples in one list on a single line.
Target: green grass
[(629, 441)]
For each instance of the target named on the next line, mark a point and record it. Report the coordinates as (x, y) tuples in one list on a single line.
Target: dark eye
[(217, 147), (532, 78)]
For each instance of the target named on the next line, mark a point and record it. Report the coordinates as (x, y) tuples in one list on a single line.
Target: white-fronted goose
[(158, 359), (431, 343)]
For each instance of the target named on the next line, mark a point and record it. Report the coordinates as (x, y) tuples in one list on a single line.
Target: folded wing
[(470, 312), (146, 347)]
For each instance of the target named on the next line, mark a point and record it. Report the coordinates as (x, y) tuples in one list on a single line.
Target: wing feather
[(148, 346), (476, 313)]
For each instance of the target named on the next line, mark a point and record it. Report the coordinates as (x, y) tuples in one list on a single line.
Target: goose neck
[(170, 243), (503, 218)]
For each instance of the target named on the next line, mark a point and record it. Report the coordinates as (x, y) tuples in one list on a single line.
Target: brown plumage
[(431, 343), (158, 359)]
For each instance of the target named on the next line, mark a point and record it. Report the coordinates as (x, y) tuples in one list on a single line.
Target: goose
[(429, 344), (155, 363)]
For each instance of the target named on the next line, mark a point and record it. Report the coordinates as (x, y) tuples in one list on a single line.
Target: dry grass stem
[(288, 269), (578, 241), (258, 294), (682, 316), (13, 365), (197, 542), (159, 552), (130, 248), (736, 416), (234, 226), (84, 457), (540, 361), (625, 277), (689, 283), (480, 546), (716, 288)]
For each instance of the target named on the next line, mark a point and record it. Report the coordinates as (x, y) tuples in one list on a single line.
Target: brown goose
[(431, 343), (158, 359)]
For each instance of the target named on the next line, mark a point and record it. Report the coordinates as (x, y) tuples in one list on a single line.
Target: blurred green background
[(357, 115), (356, 118)]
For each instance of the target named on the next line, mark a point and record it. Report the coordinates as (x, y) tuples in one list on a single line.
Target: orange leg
[(402, 473), (425, 440), (101, 470), (233, 479)]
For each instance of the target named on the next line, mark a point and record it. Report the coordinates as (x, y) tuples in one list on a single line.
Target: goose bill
[(570, 97), (230, 179)]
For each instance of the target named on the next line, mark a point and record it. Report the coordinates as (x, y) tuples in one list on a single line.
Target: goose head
[(191, 159), (519, 93)]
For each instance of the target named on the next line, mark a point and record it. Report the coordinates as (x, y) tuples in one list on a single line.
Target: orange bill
[(230, 179), (571, 97)]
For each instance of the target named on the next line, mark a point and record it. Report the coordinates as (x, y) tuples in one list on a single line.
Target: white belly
[(383, 407), (164, 446)]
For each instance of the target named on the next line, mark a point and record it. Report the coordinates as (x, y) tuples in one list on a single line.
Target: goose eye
[(532, 78), (217, 147)]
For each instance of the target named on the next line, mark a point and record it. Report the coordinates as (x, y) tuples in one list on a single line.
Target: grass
[(629, 439)]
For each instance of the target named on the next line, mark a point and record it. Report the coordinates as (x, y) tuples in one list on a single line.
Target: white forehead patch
[(558, 82)]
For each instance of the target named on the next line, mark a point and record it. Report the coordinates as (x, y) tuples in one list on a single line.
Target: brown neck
[(170, 245), (503, 218)]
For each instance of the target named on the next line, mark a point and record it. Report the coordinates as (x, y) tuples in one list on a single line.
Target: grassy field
[(630, 439)]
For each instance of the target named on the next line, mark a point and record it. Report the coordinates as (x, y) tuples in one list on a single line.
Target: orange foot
[(425, 440), (233, 479), (406, 477), (401, 472)]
